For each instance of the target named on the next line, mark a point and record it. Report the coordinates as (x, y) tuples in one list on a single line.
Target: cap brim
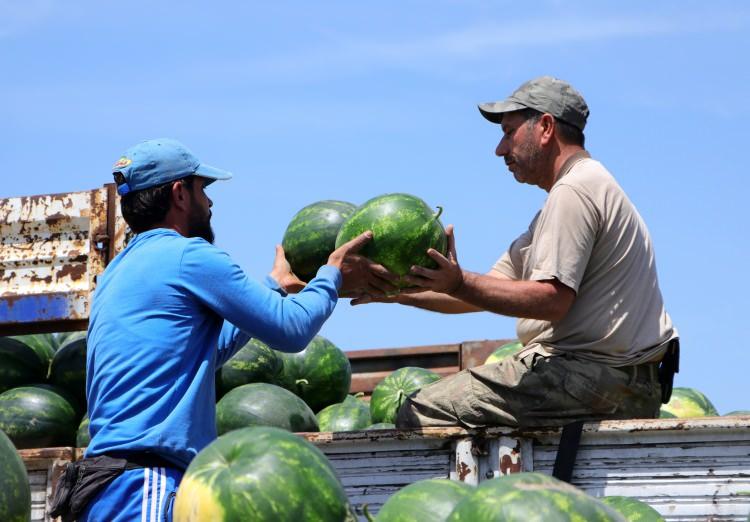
[(494, 111), (212, 173)]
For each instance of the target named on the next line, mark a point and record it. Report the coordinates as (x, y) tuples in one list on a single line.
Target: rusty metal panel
[(51, 249)]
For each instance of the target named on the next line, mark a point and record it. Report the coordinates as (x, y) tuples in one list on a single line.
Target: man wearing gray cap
[(581, 281)]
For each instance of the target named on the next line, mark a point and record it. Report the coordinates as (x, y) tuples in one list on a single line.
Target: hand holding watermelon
[(363, 276), (282, 273), (447, 278)]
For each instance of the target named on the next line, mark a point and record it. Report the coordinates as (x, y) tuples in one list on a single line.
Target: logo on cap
[(122, 163)]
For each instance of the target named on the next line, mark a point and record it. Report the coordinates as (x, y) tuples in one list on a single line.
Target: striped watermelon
[(390, 393), (21, 364), (83, 437), (37, 417), (688, 402), (321, 374), (403, 228), (531, 497), (68, 368), (254, 362), (263, 404), (261, 475), (15, 493), (506, 350), (352, 414), (311, 235), (737, 412), (633, 509), (430, 500)]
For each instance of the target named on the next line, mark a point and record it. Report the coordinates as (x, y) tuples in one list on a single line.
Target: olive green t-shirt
[(590, 237)]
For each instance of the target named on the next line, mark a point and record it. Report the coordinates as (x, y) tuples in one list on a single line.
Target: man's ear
[(547, 123), (180, 195)]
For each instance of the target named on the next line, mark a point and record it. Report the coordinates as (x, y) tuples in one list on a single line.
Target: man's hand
[(359, 274), (447, 278), (362, 276), (282, 273)]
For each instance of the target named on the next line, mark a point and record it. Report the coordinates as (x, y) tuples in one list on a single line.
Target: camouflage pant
[(534, 390)]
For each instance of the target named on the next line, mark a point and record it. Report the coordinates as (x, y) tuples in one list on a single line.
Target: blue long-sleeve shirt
[(166, 313)]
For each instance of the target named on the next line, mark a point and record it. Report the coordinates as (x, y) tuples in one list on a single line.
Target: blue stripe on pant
[(138, 495)]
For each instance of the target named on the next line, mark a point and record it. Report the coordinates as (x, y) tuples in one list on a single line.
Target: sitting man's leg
[(533, 390)]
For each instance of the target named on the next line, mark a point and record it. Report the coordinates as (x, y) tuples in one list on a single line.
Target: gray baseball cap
[(545, 94)]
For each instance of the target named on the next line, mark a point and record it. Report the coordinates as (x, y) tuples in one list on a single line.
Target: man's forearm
[(545, 300), (437, 302)]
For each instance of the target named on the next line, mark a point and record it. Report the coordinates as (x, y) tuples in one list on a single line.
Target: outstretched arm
[(547, 300)]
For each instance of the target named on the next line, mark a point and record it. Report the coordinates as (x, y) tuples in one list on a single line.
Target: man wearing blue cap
[(581, 281), (168, 311)]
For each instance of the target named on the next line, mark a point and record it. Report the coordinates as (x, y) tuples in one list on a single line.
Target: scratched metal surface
[(51, 249)]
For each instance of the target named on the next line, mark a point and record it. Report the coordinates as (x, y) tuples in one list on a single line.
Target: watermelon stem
[(366, 511), (437, 214), (301, 381)]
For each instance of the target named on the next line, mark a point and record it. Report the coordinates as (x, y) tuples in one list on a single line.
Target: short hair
[(145, 208), (568, 133)]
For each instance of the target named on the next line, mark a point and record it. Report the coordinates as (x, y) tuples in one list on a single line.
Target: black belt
[(83, 479)]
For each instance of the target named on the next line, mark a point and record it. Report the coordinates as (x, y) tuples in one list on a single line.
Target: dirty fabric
[(533, 390)]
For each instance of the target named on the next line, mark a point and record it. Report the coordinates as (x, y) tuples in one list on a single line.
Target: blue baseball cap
[(154, 162)]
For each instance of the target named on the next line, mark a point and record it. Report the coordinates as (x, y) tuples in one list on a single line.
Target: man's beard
[(200, 226)]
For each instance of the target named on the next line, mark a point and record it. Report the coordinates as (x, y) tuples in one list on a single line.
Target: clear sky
[(349, 100)]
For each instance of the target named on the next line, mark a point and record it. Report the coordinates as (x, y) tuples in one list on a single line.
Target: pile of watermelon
[(520, 497), (42, 385), (404, 227)]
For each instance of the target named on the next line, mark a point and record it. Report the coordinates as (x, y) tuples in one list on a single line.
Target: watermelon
[(531, 497), (633, 509), (688, 402), (37, 417), (350, 415), (254, 362), (264, 475), (263, 404), (311, 235), (403, 228), (390, 393), (381, 426), (737, 412), (506, 350), (430, 500), (20, 364), (321, 374), (15, 493), (68, 368), (83, 437)]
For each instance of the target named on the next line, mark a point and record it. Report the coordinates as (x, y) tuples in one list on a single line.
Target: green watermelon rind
[(15, 492), (404, 227), (532, 497), (38, 417), (68, 368), (424, 501), (263, 404), (254, 362), (260, 474), (310, 236), (504, 351), (321, 374), (350, 415), (688, 403), (632, 509), (386, 399), (21, 363)]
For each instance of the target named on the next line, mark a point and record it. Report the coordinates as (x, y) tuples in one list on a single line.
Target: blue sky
[(344, 100)]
